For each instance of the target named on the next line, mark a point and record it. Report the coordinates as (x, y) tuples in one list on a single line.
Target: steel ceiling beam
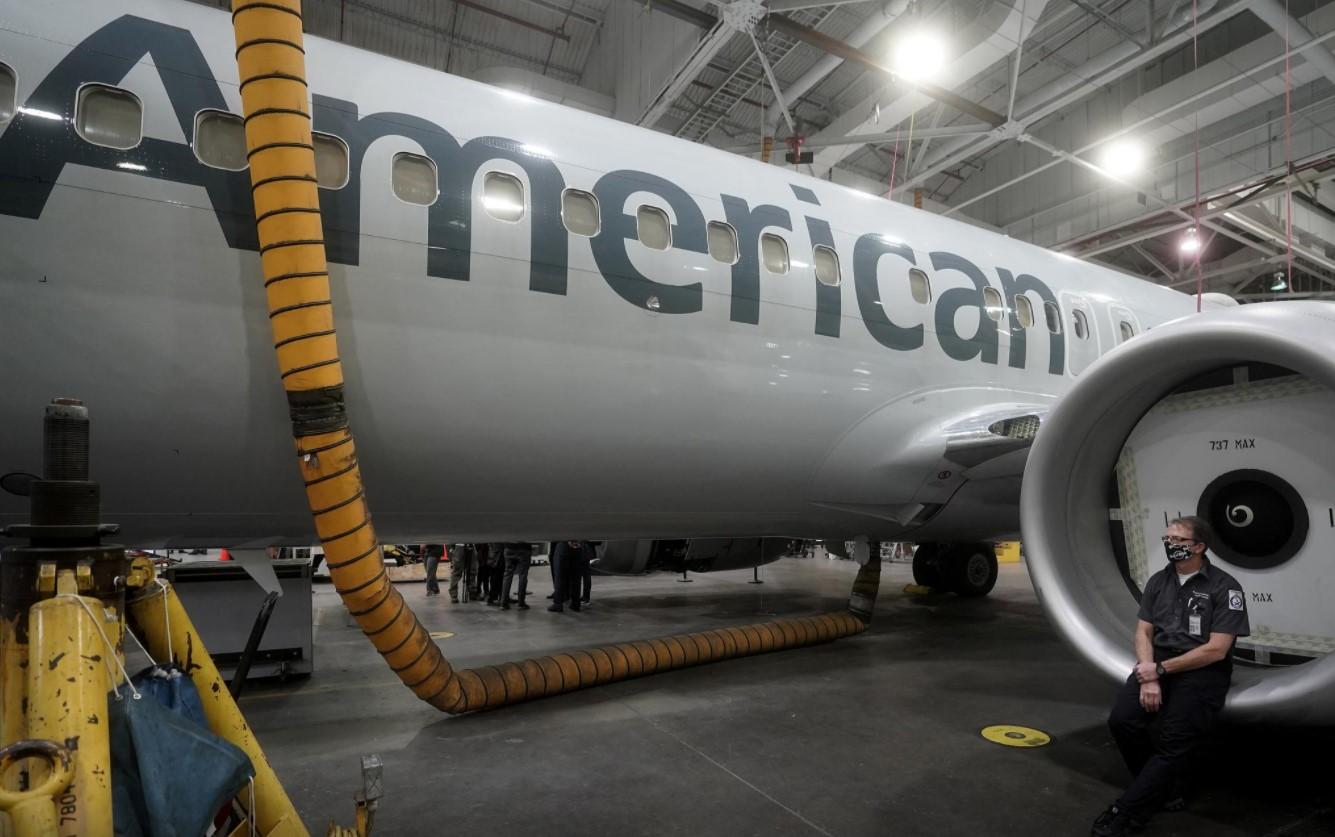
[(1117, 25), (836, 47), (517, 21), (1113, 64), (569, 11), (876, 139), (833, 46), (798, 5), (1140, 123)]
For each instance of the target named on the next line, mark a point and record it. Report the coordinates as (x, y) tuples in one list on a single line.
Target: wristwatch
[(1159, 670)]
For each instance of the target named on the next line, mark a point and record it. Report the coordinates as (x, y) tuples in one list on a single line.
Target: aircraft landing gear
[(967, 569)]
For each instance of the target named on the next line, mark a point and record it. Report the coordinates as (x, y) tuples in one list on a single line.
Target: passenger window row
[(113, 117)]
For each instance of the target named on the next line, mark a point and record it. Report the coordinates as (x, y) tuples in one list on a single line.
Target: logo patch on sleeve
[(1235, 600)]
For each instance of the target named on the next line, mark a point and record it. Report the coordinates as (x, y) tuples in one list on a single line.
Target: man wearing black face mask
[(1191, 613)]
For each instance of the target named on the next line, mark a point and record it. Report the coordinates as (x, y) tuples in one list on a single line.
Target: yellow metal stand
[(169, 635), (67, 700), (62, 622)]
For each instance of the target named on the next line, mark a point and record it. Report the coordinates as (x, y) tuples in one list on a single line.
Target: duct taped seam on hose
[(271, 65)]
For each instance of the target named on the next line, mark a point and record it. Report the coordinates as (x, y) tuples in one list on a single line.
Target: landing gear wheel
[(970, 569), (927, 566)]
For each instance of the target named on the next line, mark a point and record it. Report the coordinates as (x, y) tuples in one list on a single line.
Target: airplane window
[(1127, 330), (654, 228), (1053, 316), (1080, 325), (414, 179), (722, 242), (109, 116), (8, 90), (775, 252), (827, 265), (503, 196), (579, 210), (920, 286), (992, 302), (1024, 310), (220, 140), (331, 161)]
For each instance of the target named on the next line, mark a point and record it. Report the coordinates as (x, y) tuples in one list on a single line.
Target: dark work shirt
[(1184, 615)]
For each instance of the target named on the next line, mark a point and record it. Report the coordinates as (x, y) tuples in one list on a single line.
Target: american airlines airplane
[(556, 325)]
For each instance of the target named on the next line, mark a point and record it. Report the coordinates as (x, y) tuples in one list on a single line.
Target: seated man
[(1191, 613)]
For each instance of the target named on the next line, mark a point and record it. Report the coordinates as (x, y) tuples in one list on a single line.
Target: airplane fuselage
[(505, 378)]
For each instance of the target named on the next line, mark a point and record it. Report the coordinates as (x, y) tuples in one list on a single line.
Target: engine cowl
[(1183, 430)]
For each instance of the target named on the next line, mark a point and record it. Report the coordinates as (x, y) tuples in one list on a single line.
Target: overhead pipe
[(271, 66), (833, 46), (874, 25), (1103, 69), (876, 139), (1272, 14), (1308, 46)]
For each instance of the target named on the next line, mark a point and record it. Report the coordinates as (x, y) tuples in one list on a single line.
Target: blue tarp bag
[(169, 774), (171, 688)]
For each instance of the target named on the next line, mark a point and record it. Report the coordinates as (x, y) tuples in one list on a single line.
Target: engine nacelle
[(1172, 424)]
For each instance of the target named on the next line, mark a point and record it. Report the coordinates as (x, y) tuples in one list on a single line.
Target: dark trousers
[(516, 566), (1157, 745), (463, 565), (432, 562), (495, 575), (570, 567)]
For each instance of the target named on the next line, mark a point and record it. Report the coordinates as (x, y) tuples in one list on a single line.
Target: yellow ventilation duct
[(271, 63)]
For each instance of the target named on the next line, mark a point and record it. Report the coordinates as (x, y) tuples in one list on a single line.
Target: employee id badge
[(1195, 610)]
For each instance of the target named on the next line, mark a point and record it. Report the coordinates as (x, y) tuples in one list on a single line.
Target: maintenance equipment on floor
[(64, 601)]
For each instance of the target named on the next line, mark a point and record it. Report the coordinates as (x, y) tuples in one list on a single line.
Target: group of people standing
[(488, 572)]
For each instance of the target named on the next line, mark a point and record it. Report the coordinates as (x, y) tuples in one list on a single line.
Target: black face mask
[(1177, 551)]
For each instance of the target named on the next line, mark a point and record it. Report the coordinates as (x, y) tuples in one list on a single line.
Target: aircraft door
[(1082, 336)]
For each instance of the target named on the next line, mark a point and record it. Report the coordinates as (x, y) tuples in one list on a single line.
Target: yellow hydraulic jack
[(63, 608)]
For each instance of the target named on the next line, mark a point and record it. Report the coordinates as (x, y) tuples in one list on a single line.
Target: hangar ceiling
[(1012, 134)]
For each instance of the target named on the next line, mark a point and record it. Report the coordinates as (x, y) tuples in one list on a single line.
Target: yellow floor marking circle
[(441, 634), (1013, 736)]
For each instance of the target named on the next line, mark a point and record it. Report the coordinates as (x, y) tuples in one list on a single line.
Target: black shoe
[(522, 606), (575, 607), (453, 600), (493, 602), (505, 605), (1177, 798), (556, 608), (585, 600), (551, 595), (1115, 823)]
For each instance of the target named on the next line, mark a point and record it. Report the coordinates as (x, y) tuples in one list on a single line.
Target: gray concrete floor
[(876, 734)]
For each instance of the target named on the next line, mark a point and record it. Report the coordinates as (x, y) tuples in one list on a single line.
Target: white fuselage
[(654, 395)]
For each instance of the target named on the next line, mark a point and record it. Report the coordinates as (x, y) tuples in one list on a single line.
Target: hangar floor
[(878, 734)]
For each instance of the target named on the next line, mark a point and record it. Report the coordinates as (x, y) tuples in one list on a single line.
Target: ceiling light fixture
[(1123, 157), (919, 56)]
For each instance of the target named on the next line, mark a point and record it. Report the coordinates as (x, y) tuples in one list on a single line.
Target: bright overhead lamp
[(1122, 157), (1190, 243), (1280, 283), (919, 56)]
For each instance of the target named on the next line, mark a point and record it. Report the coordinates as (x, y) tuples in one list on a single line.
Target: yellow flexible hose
[(271, 63)]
